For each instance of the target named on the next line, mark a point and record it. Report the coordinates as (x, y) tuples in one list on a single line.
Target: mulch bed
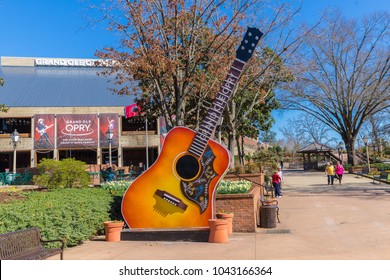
[(8, 195)]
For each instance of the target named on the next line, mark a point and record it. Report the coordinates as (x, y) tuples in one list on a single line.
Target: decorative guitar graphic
[(43, 130), (178, 190)]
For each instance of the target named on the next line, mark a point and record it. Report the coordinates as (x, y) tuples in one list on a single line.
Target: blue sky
[(58, 28)]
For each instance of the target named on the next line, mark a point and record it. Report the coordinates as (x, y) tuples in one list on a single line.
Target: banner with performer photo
[(44, 131), (77, 130), (108, 121)]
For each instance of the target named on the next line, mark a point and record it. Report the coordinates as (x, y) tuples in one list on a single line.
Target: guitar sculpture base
[(185, 234)]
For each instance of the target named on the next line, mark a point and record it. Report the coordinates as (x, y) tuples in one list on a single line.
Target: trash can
[(268, 216)]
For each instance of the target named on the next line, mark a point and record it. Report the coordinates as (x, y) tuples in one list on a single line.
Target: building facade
[(62, 108)]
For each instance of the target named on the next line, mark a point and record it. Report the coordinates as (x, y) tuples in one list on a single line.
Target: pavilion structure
[(316, 155)]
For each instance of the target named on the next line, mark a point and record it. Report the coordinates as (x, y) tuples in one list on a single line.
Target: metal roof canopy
[(315, 154), (48, 86), (315, 148)]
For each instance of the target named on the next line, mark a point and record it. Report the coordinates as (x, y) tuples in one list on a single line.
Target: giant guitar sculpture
[(178, 190)]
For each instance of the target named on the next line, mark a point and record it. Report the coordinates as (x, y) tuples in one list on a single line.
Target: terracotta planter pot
[(113, 231), (229, 218), (218, 231)]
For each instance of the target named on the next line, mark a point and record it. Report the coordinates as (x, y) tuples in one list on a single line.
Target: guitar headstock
[(248, 44)]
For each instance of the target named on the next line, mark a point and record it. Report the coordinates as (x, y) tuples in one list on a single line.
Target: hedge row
[(74, 215)]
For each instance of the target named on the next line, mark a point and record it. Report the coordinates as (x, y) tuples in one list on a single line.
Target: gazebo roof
[(315, 148)]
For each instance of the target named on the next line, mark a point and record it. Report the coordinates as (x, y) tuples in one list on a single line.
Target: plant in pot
[(113, 230)]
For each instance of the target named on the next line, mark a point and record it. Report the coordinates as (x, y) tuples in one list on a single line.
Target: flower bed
[(116, 187), (233, 187)]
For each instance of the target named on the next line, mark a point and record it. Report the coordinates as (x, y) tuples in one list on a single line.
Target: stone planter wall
[(244, 206)]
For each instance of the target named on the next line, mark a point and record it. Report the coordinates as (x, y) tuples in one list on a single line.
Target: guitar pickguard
[(197, 190)]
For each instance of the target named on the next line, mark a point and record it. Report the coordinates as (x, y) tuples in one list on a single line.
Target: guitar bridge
[(171, 199)]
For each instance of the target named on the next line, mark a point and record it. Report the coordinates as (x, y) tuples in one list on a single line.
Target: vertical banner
[(44, 131), (108, 121), (77, 131)]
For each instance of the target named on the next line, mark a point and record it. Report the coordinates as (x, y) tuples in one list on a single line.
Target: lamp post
[(109, 136), (15, 139), (365, 140), (339, 149)]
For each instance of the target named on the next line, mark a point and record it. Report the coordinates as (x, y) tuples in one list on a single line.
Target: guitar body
[(165, 197)]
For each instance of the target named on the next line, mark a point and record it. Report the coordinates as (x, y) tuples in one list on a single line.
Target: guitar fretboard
[(214, 113)]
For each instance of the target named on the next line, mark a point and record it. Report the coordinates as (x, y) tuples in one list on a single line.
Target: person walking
[(280, 172), (339, 171), (329, 171), (276, 183)]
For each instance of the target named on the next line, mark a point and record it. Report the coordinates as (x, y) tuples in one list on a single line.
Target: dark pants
[(277, 189), (330, 179), (339, 177)]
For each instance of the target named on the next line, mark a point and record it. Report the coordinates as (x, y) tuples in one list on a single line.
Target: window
[(8, 125), (138, 124)]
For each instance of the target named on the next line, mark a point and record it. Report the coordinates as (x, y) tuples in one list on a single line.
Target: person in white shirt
[(280, 173)]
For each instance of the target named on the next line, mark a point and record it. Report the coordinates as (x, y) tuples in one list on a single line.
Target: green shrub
[(347, 166), (72, 214), (382, 166), (233, 187), (117, 190), (267, 178), (252, 168), (67, 173)]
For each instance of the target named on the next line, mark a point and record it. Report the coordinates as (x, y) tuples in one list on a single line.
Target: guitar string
[(214, 114)]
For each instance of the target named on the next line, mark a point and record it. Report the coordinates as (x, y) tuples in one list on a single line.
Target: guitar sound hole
[(187, 167)]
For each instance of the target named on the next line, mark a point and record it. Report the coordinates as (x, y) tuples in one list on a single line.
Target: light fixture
[(109, 136), (15, 139)]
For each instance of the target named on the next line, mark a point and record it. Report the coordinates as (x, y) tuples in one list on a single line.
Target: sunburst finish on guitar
[(178, 191), (155, 199)]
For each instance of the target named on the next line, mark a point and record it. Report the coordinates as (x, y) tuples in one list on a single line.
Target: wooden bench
[(361, 173), (268, 187), (382, 176), (27, 244)]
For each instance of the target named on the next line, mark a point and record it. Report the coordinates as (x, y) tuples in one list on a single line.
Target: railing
[(7, 178)]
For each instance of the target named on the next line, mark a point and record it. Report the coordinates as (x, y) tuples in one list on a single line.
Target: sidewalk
[(340, 222)]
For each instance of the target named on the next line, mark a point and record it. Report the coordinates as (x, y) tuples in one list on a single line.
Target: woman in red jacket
[(276, 183)]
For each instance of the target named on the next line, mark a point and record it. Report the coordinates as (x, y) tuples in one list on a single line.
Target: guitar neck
[(208, 126)]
